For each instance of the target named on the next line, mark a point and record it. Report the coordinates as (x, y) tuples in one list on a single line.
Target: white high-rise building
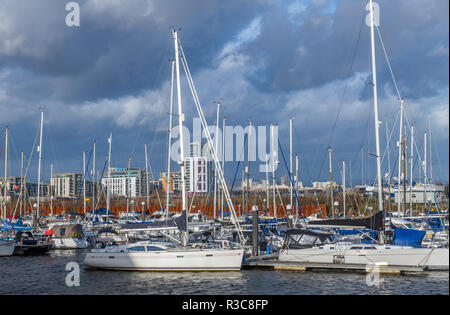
[(199, 169)]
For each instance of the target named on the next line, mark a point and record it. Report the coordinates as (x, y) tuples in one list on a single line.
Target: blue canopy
[(15, 226)]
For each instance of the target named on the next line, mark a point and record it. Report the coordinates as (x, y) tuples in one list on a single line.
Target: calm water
[(47, 274)]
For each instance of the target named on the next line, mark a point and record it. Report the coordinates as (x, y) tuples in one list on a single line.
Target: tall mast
[(290, 161), (400, 144), (411, 159), (343, 185), (127, 191), (180, 123), (404, 172), (243, 191), (431, 152), (39, 163), (94, 181), (169, 143), (425, 178), (362, 166), (296, 182), (375, 109), (248, 165), (331, 182), (51, 190), (272, 142), (222, 204), (6, 174), (147, 183), (425, 156), (215, 169), (108, 185), (267, 181), (84, 183), (21, 184), (389, 164)]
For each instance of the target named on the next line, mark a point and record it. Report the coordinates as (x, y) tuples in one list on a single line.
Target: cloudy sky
[(265, 60)]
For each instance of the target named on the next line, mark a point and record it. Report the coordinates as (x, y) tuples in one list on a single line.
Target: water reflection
[(46, 275)]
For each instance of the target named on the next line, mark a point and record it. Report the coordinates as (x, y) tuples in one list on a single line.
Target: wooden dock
[(306, 266)]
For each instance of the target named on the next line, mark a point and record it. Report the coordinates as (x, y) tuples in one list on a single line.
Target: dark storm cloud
[(120, 45), (266, 60), (316, 46)]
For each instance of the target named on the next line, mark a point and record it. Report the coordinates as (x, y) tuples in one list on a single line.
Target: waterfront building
[(175, 181), (420, 193), (199, 169), (129, 182), (14, 184), (69, 185)]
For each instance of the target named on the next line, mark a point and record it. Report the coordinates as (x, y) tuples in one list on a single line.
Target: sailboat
[(381, 253), (7, 247), (178, 255)]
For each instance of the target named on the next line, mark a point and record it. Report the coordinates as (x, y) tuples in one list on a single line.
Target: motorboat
[(28, 244), (68, 236)]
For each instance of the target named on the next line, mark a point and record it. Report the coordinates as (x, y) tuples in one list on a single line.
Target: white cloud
[(247, 35)]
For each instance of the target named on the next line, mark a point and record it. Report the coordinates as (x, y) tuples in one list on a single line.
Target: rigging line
[(238, 164), (439, 160), (344, 93), (399, 75), (307, 166), (389, 64), (416, 144), (52, 144), (381, 32), (31, 153), (81, 187), (216, 161), (157, 193), (133, 150), (389, 142), (293, 185), (100, 181), (11, 140), (156, 131)]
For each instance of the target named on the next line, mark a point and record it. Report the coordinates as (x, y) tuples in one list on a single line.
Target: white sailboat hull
[(6, 248), (427, 258), (170, 260), (70, 243)]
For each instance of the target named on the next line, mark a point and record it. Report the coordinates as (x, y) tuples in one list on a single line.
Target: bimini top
[(300, 238)]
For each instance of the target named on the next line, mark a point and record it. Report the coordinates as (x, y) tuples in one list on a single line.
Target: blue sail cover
[(408, 237), (15, 226)]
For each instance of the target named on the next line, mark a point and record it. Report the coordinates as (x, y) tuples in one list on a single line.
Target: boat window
[(137, 249), (153, 248), (356, 247)]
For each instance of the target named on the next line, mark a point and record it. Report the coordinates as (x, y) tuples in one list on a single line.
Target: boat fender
[(74, 234)]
